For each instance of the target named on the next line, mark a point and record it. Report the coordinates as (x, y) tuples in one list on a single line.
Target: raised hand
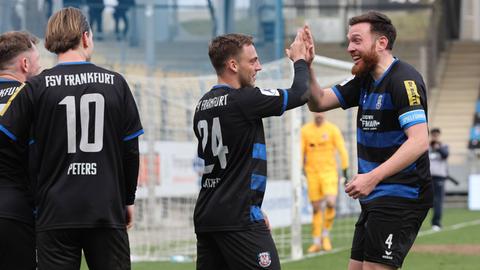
[(309, 43), (297, 49)]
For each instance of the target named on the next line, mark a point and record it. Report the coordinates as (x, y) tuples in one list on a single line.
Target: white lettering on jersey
[(53, 80), (82, 169), (212, 103), (347, 80), (7, 91), (270, 92), (369, 122), (79, 79), (211, 182)]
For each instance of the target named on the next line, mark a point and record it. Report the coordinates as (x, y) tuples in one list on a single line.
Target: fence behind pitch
[(169, 178)]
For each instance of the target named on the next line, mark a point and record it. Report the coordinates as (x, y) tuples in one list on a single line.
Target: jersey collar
[(221, 86), (73, 63), (377, 82), (6, 80)]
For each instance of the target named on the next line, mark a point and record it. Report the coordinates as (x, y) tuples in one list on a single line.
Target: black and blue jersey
[(82, 120), (16, 200), (386, 107), (231, 141)]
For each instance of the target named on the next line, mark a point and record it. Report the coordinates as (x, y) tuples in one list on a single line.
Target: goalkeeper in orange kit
[(320, 141)]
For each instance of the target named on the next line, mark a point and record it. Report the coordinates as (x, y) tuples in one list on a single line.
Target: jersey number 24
[(218, 149)]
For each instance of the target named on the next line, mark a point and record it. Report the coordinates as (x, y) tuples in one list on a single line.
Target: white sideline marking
[(420, 234)]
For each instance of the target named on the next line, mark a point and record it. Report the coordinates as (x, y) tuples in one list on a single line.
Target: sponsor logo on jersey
[(368, 122), (270, 92), (347, 80), (412, 92), (264, 259)]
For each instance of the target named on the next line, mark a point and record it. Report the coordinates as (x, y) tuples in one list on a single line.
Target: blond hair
[(65, 29)]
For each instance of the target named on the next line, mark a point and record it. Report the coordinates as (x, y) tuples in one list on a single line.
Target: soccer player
[(231, 229), (19, 60), (320, 141), (393, 182), (85, 125)]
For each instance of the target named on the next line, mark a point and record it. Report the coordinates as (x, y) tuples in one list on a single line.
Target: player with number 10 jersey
[(83, 124), (81, 114)]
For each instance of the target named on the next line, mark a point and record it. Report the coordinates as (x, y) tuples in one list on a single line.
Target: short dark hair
[(380, 24), (224, 47), (12, 44), (435, 130), (65, 29)]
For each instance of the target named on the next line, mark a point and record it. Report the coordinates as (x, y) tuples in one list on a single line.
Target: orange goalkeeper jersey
[(319, 145)]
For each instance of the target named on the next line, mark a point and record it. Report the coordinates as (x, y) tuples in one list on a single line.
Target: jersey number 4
[(85, 100), (218, 149)]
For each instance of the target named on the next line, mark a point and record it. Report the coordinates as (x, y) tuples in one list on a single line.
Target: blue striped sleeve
[(134, 135), (339, 97), (411, 118), (285, 101)]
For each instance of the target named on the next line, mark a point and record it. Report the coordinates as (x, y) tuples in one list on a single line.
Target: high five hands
[(302, 47)]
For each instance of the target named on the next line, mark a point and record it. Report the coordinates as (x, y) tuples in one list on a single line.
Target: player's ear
[(85, 39), (24, 64), (382, 43), (232, 64)]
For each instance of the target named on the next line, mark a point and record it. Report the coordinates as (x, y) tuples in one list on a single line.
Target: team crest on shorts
[(264, 259)]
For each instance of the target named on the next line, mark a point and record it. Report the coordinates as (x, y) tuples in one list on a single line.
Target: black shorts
[(385, 235), (17, 245), (237, 250), (104, 249)]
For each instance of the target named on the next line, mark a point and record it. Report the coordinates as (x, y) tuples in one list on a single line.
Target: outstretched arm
[(321, 99)]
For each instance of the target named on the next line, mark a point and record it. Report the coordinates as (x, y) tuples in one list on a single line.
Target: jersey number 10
[(85, 100), (218, 149)]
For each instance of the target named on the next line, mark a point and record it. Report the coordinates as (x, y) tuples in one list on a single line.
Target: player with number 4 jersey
[(83, 122), (230, 225)]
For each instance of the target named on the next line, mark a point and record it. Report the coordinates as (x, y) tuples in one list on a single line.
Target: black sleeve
[(133, 127), (16, 116), (131, 163), (409, 98), (259, 103), (348, 92), (297, 94)]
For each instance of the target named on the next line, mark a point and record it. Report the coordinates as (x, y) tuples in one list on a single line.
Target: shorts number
[(218, 149), (389, 241), (85, 100)]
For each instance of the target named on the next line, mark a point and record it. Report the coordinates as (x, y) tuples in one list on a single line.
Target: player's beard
[(246, 80), (367, 64)]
